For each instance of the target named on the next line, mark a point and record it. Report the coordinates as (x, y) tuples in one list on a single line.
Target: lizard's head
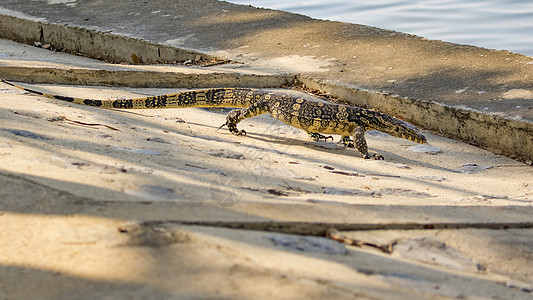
[(405, 130), (398, 128)]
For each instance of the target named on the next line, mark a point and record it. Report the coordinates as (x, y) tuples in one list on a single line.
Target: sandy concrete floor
[(99, 200)]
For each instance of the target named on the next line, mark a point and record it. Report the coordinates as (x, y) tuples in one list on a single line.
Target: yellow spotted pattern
[(311, 116)]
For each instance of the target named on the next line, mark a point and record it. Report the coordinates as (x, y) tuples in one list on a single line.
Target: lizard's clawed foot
[(240, 132), (233, 129), (317, 136), (374, 156), (347, 142)]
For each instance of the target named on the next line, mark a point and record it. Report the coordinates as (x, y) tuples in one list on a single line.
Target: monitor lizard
[(315, 117)]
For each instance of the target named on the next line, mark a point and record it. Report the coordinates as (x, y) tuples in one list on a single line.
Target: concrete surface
[(160, 204), (476, 95)]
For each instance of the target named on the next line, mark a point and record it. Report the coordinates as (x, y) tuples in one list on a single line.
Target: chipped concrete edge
[(143, 79), (495, 133)]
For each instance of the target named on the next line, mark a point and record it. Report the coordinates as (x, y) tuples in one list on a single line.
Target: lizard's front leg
[(360, 144), (231, 121), (237, 115)]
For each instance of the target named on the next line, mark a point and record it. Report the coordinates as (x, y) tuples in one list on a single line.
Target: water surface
[(494, 24)]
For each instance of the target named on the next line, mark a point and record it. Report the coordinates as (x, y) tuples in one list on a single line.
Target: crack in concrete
[(321, 229)]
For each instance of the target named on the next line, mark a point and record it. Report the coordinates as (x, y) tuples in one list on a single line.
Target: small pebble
[(472, 168), (424, 149)]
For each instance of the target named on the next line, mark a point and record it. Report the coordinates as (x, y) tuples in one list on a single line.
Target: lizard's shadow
[(310, 144)]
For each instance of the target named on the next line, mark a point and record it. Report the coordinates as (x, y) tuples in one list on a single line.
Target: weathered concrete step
[(31, 64), (93, 43), (143, 79), (87, 257)]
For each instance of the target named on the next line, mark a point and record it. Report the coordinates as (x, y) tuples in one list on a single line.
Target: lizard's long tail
[(219, 97)]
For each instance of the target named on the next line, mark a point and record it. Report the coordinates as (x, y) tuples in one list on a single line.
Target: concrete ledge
[(142, 79), (93, 43)]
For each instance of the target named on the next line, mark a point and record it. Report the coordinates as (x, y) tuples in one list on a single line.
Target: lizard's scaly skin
[(311, 116)]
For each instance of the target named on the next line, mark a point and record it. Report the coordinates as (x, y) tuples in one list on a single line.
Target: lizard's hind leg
[(235, 116), (360, 144)]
